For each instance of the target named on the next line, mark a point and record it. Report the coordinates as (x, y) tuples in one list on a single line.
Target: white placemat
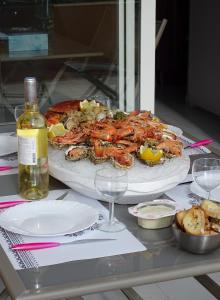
[(182, 195), (125, 241), (9, 160)]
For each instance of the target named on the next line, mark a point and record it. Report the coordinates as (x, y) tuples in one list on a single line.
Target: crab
[(57, 112), (65, 106)]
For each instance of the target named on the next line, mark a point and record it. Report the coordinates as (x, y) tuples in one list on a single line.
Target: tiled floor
[(171, 107), (181, 289), (201, 124)]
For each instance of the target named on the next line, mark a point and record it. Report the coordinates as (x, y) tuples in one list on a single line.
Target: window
[(77, 49)]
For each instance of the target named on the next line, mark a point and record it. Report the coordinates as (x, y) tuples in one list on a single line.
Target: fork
[(6, 156), (63, 195), (7, 204), (195, 199)]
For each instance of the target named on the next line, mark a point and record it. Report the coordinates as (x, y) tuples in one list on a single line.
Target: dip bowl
[(155, 214)]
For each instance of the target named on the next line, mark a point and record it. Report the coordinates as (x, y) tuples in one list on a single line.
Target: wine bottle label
[(32, 145)]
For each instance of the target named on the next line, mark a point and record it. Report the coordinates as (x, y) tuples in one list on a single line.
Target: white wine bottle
[(33, 176)]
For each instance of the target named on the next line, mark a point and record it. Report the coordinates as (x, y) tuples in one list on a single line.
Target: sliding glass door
[(77, 49)]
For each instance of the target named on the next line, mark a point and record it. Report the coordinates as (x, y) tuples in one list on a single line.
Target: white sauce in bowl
[(156, 208)]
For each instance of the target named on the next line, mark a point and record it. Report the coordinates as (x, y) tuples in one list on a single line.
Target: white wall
[(147, 68)]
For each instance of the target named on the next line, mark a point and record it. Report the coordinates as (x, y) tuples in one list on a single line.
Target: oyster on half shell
[(124, 161), (75, 153)]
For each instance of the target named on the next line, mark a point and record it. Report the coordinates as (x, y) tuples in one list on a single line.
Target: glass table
[(162, 261)]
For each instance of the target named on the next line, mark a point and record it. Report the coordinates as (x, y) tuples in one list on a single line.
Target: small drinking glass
[(106, 101), (19, 109), (206, 173), (111, 184)]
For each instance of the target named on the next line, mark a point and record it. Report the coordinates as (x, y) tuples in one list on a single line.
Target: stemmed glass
[(19, 109), (106, 101), (111, 184), (206, 173)]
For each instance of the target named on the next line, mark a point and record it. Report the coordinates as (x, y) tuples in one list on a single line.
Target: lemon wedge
[(56, 130), (150, 155), (88, 105), (156, 119)]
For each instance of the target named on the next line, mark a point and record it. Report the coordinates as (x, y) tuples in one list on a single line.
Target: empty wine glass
[(19, 109), (111, 184), (206, 173), (106, 101)]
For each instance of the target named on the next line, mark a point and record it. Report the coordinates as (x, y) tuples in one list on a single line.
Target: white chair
[(160, 27)]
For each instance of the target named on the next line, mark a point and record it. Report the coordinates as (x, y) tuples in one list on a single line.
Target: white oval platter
[(144, 183), (178, 131)]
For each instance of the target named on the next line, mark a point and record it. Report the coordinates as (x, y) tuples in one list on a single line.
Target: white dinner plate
[(178, 131), (215, 194), (48, 218), (8, 144)]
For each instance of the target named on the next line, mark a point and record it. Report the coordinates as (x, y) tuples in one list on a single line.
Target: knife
[(7, 168), (44, 245), (7, 204), (199, 143), (5, 156)]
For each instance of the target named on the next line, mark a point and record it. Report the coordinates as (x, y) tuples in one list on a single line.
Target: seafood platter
[(85, 136)]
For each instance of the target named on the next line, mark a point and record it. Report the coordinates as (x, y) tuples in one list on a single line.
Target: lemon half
[(150, 155), (56, 130)]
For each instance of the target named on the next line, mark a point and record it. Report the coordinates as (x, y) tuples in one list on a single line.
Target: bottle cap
[(30, 89)]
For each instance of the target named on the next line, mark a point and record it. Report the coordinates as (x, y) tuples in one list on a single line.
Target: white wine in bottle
[(33, 174)]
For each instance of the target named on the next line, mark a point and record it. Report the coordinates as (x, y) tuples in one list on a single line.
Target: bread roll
[(179, 218), (215, 224), (210, 232), (211, 208), (194, 221)]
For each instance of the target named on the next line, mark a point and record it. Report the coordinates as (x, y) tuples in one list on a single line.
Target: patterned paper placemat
[(10, 159), (125, 241)]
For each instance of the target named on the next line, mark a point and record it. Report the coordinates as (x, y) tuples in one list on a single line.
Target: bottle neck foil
[(30, 94)]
